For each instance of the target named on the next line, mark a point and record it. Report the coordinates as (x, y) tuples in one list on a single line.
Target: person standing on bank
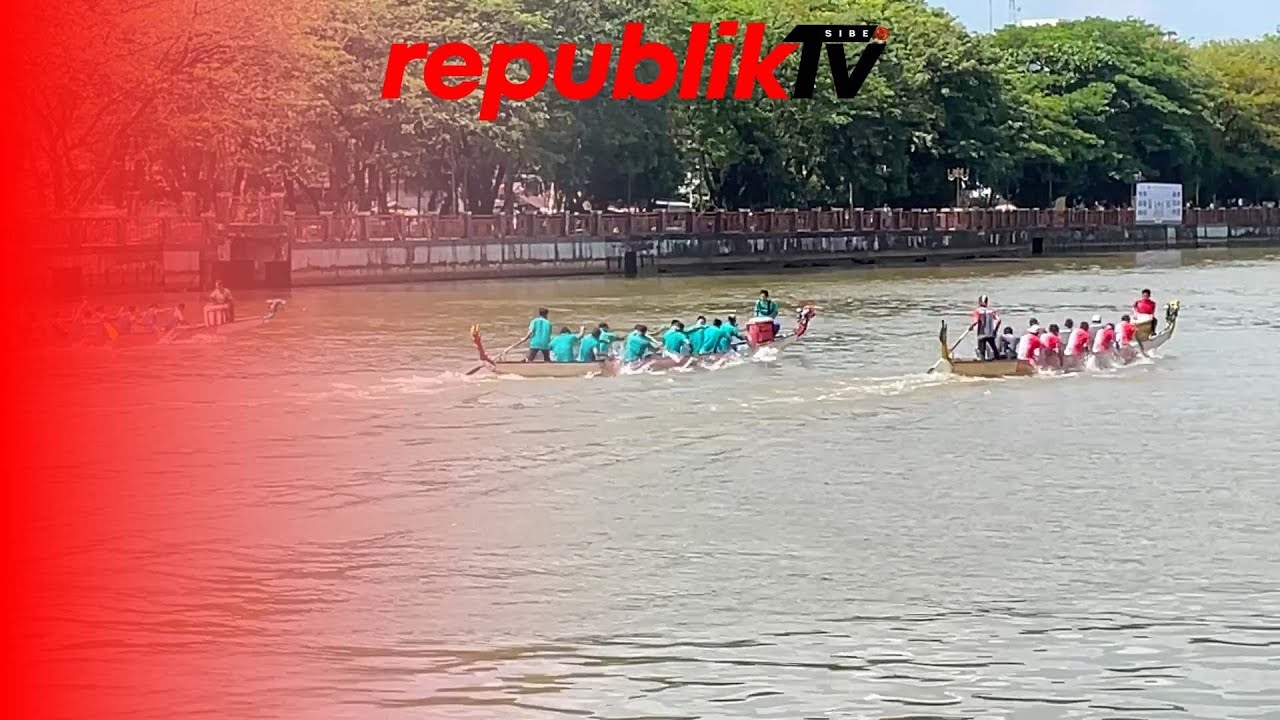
[(539, 337), (987, 322)]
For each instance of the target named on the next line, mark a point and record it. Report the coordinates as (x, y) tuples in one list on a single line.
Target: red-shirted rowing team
[(1051, 347)]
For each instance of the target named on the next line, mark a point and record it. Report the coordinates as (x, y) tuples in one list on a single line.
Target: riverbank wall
[(273, 249)]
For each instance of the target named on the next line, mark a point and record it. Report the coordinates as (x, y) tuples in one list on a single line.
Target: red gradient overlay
[(113, 581)]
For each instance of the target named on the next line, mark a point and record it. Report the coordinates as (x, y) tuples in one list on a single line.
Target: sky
[(1195, 20)]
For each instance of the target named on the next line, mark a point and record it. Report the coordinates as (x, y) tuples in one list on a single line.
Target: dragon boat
[(1145, 341), (615, 366)]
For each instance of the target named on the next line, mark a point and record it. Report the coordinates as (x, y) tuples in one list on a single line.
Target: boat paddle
[(953, 349), (481, 366)]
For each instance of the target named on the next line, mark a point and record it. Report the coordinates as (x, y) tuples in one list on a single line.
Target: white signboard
[(1158, 204)]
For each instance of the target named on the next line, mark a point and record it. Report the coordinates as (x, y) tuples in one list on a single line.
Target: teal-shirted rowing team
[(703, 338)]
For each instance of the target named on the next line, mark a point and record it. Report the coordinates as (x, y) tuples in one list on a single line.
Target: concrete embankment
[(293, 254)]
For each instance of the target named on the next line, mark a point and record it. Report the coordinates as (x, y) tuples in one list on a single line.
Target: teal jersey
[(724, 343), (541, 337), (766, 308), (587, 350), (637, 346), (710, 339), (562, 347), (696, 333), (675, 341)]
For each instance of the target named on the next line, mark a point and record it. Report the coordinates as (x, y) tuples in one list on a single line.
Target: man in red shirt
[(1128, 331), (1052, 346), (1146, 306), (1031, 346), (1106, 340)]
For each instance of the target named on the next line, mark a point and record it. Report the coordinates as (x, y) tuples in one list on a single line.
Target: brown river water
[(834, 534)]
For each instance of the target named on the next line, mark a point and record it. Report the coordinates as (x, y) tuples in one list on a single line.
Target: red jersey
[(1052, 343), (1145, 306), (1106, 339), (1128, 331), (1079, 342), (1030, 347)]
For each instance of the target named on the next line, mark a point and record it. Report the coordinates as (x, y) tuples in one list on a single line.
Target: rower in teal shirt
[(695, 333), (607, 339), (728, 332), (709, 338), (675, 341), (539, 336), (638, 344), (562, 345), (591, 345)]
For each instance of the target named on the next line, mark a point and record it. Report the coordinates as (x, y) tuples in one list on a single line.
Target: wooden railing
[(193, 231)]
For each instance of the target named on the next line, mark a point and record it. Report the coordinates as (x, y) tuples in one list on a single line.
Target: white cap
[(1034, 329), (1096, 319)]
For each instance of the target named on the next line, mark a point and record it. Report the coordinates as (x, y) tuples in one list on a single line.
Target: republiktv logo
[(454, 70)]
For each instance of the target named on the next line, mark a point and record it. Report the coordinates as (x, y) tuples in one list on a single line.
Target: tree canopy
[(176, 96)]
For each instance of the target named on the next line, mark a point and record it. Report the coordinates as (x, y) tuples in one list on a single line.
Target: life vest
[(986, 320)]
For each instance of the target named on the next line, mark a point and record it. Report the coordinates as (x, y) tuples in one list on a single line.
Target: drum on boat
[(760, 330)]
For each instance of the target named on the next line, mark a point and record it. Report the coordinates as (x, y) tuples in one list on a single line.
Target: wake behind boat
[(759, 338), (1145, 341)]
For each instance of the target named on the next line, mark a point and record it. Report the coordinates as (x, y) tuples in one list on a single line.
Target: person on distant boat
[(222, 296), (1146, 306), (1078, 342), (539, 337), (124, 320), (562, 344), (638, 344), (1095, 327), (1031, 347), (1068, 328), (1052, 346), (178, 318), (1105, 341), (589, 350), (675, 341), (767, 308), (1128, 331), (1008, 345), (987, 322), (149, 318)]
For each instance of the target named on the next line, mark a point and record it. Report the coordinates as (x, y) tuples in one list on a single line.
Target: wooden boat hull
[(1021, 368)]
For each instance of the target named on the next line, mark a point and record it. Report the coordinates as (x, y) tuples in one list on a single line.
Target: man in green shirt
[(768, 308), (675, 341), (638, 344), (539, 336), (591, 348), (562, 344)]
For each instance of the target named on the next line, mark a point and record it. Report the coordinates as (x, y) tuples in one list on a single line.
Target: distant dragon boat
[(615, 366), (1145, 342), (215, 323)]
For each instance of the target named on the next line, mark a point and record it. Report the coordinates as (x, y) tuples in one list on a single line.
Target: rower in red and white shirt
[(1128, 331), (1106, 339), (1030, 347), (1052, 343), (1078, 343)]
